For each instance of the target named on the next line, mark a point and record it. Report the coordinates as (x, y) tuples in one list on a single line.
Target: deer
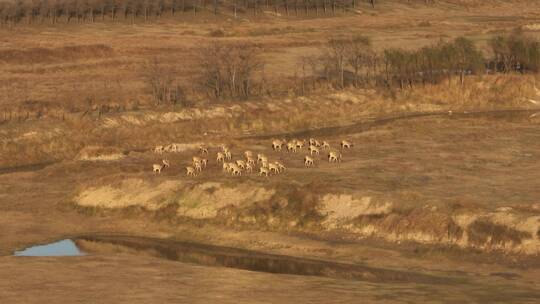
[(346, 144), (220, 157), (166, 163), (325, 145), (277, 144), (171, 148), (241, 164), (190, 171), (263, 171), (248, 154), (280, 166), (314, 142), (249, 168), (300, 144), (273, 168), (308, 161), (203, 150), (313, 149), (159, 149), (291, 147), (228, 155), (262, 158), (235, 170), (156, 168), (334, 157)]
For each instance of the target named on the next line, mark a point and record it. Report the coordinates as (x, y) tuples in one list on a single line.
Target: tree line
[(89, 11), (234, 71)]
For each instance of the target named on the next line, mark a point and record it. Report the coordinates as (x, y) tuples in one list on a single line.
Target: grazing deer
[(346, 144), (313, 149), (225, 167), (325, 145), (262, 158), (220, 157), (241, 164), (291, 147), (166, 163), (280, 166), (300, 144), (171, 148), (157, 168), (190, 171), (314, 142), (159, 149), (203, 150), (308, 161), (334, 157), (273, 168), (277, 144), (263, 171), (235, 170)]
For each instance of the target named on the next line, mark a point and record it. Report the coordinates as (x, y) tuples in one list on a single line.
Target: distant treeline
[(237, 71), (78, 11)]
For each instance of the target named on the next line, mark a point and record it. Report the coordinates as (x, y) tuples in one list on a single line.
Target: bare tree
[(228, 70), (163, 84)]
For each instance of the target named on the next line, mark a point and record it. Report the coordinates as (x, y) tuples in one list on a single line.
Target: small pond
[(61, 248)]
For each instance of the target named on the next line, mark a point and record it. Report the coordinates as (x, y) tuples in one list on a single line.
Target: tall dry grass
[(61, 138)]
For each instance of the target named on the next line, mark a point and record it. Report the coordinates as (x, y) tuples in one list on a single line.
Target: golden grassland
[(445, 195), (64, 87)]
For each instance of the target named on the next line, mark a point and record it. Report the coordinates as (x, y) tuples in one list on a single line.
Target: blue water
[(60, 248)]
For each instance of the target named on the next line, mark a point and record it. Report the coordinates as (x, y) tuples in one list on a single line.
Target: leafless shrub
[(229, 70), (163, 84)]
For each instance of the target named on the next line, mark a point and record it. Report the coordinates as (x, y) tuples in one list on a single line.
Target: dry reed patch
[(491, 235)]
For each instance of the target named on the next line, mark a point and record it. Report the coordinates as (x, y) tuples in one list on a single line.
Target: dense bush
[(515, 52)]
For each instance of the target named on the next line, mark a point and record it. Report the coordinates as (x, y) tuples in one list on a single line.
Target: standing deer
[(334, 157), (346, 144), (308, 161), (190, 171), (156, 168)]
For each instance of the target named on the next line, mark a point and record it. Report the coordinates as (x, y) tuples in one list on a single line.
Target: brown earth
[(455, 197), (417, 164)]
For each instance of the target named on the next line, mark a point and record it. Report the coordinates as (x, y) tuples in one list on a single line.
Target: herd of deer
[(249, 162)]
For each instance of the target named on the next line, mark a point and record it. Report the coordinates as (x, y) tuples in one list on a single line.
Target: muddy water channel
[(216, 256)]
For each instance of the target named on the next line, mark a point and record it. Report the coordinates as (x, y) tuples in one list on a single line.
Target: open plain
[(437, 201)]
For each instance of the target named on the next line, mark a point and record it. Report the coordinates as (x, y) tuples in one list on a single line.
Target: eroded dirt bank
[(465, 182)]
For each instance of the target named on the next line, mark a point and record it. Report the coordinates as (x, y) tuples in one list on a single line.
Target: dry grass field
[(429, 188)]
